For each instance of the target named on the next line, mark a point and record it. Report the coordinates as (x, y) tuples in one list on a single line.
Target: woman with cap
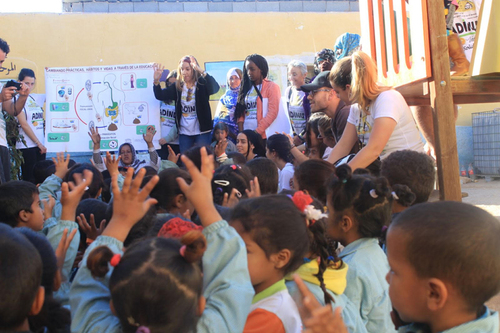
[(258, 98), (227, 103), (191, 94)]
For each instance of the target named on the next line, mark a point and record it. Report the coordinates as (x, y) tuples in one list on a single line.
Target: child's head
[(20, 205), (443, 256), (312, 177), (278, 147), (20, 279), (237, 158), (359, 205), (168, 193), (42, 170), (275, 234), (229, 177), (95, 187), (194, 154), (413, 169), (52, 315), (220, 131), (267, 173), (157, 283)]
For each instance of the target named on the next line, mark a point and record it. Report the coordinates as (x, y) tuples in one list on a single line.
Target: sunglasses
[(314, 92)]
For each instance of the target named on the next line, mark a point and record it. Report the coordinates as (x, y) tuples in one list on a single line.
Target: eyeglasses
[(314, 92)]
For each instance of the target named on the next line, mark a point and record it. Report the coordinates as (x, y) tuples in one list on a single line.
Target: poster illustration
[(117, 100), (219, 71)]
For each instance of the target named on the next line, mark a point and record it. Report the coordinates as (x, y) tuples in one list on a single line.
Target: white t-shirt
[(3, 128), (34, 117), (296, 110), (167, 120), (285, 177), (251, 111), (189, 119), (389, 104)]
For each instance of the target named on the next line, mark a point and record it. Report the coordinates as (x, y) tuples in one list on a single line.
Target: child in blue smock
[(359, 206), (157, 284), (444, 266), (323, 272)]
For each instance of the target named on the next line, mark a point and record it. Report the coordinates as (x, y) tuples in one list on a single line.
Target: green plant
[(13, 137)]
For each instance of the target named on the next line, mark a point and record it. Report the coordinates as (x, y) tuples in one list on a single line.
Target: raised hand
[(63, 247), (172, 157), (130, 204), (158, 71), (148, 137), (61, 165), (72, 193), (90, 230), (254, 191), (200, 190), (48, 206), (231, 200), (317, 318), (220, 148), (112, 163), (95, 136)]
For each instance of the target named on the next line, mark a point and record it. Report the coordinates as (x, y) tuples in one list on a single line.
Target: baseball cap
[(320, 81)]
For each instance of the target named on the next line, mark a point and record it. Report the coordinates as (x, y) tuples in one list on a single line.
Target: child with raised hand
[(359, 206), (276, 244), (322, 271), (444, 267), (171, 273)]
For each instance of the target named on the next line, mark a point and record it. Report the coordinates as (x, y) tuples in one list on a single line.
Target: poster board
[(117, 100)]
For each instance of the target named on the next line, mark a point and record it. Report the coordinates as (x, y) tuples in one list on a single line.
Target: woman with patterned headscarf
[(227, 103), (323, 61), (346, 45)]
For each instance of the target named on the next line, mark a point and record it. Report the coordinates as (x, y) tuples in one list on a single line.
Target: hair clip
[(301, 200), (373, 194), (131, 321), (115, 259), (221, 182), (394, 195), (331, 258), (238, 193), (344, 181), (142, 329), (182, 250), (307, 260), (233, 167)]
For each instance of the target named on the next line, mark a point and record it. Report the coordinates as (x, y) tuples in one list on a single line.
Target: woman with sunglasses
[(191, 94)]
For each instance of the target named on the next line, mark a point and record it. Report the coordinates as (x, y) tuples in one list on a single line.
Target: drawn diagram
[(115, 100)]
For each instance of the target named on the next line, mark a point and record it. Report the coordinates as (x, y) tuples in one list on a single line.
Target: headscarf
[(325, 54), (136, 163), (230, 97), (246, 84), (346, 45)]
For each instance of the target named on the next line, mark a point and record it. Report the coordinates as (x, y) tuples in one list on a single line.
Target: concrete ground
[(485, 195)]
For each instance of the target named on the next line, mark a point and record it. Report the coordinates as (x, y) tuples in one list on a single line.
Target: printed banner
[(117, 100)]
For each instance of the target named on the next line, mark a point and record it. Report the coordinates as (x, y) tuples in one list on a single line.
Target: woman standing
[(191, 94), (299, 109), (258, 99), (227, 103), (31, 126), (381, 119)]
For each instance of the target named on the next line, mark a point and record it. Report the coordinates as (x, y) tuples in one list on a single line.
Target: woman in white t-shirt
[(31, 126), (299, 109), (380, 119), (278, 150)]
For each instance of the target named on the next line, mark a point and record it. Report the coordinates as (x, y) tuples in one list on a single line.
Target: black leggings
[(31, 156)]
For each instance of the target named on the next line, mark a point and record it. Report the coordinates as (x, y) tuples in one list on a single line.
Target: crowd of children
[(201, 249)]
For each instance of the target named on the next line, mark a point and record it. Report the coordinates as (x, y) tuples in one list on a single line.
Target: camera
[(13, 83)]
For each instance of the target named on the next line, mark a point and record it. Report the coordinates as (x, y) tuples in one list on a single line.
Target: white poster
[(465, 23), (117, 100)]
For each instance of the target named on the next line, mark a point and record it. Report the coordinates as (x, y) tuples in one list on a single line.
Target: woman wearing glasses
[(381, 120), (191, 94)]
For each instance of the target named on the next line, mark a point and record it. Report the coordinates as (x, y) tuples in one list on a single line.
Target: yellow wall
[(67, 40)]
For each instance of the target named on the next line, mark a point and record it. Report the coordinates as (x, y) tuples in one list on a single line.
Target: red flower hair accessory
[(115, 260), (301, 200), (177, 227)]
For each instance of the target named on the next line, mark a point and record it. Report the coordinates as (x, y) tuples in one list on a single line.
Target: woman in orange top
[(258, 99)]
